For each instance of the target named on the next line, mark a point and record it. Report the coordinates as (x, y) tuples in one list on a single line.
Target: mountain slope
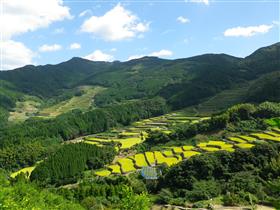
[(182, 82)]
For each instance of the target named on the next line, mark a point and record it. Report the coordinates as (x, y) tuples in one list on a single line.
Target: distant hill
[(182, 82)]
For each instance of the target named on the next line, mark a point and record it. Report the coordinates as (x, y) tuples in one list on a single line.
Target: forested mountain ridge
[(182, 82)]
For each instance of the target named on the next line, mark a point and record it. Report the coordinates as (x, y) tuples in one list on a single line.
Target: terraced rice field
[(27, 171), (136, 133), (126, 165), (171, 155)]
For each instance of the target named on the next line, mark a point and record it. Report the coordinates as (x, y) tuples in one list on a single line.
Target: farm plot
[(27, 171), (264, 136), (127, 165), (140, 160)]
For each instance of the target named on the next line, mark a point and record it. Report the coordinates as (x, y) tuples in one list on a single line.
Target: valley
[(143, 134)]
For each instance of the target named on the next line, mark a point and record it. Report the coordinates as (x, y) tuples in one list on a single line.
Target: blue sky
[(116, 30)]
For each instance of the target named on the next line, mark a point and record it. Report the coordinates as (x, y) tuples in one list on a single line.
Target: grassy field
[(25, 109), (83, 102)]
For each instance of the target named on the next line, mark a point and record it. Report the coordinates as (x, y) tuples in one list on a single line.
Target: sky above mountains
[(51, 31)]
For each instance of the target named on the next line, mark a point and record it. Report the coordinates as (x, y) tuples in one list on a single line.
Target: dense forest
[(24, 144), (67, 164), (245, 176)]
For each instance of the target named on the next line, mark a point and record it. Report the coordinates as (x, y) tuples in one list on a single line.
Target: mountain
[(182, 82)]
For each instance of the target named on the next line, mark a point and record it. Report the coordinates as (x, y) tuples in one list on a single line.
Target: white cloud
[(19, 17), (116, 24), (85, 12), (113, 50), (50, 48), (14, 55), (161, 53), (58, 31), (98, 55), (200, 1), (182, 19), (132, 57), (247, 31), (29, 15), (74, 46)]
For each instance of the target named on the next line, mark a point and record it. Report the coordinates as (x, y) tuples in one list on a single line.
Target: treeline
[(18, 156), (67, 164), (114, 192), (243, 177), (241, 117), (77, 123)]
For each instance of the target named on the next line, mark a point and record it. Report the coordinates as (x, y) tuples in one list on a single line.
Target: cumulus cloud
[(247, 31), (115, 25), (98, 55), (161, 53), (29, 15), (74, 46), (50, 48), (19, 17), (200, 1), (15, 54), (182, 19)]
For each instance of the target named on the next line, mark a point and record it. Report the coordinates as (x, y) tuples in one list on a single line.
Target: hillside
[(184, 82)]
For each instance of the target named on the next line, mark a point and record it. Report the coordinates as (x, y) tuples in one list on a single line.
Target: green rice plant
[(272, 133), (93, 142), (102, 172), (228, 149), (226, 146), (244, 145), (276, 130), (168, 153), (179, 157), (188, 154), (247, 138), (128, 142), (127, 165), (210, 149), (167, 131), (265, 137), (216, 143), (27, 171), (125, 133), (95, 139), (160, 159), (236, 139), (177, 150), (140, 160), (150, 158), (187, 148), (115, 169), (203, 144), (171, 161)]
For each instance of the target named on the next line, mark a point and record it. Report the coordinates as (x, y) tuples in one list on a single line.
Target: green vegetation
[(86, 132), (82, 101), (67, 164), (241, 177), (24, 195)]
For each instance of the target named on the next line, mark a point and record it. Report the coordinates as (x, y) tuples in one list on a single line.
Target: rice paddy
[(27, 171)]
